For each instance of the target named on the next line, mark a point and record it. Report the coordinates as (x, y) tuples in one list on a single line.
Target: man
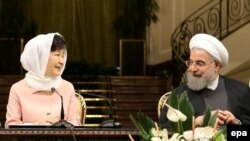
[(206, 87)]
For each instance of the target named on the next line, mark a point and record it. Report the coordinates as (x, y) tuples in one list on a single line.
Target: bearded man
[(206, 87)]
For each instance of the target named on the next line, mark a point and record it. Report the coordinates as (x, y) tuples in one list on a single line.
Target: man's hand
[(224, 117), (231, 119)]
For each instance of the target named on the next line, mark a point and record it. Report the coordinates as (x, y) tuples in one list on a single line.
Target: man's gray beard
[(199, 83)]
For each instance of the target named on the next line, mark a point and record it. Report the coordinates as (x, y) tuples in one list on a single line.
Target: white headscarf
[(35, 58), (212, 45)]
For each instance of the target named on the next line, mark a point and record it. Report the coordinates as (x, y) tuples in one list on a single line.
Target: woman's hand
[(51, 119), (48, 121)]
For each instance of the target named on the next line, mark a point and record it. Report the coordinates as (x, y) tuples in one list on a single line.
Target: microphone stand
[(62, 122), (110, 123)]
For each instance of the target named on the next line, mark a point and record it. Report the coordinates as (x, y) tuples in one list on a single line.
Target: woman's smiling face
[(55, 63)]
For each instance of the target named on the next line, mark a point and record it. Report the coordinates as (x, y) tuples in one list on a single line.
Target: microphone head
[(53, 89)]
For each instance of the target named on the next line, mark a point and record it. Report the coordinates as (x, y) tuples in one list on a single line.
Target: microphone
[(108, 123), (61, 122)]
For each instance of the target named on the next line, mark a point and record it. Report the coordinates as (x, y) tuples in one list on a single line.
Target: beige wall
[(239, 58), (171, 14)]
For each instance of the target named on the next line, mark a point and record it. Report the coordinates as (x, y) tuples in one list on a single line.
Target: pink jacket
[(28, 106)]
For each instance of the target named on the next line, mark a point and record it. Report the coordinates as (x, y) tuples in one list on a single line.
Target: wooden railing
[(99, 105)]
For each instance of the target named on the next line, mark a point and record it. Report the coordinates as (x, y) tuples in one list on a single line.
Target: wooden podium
[(63, 134)]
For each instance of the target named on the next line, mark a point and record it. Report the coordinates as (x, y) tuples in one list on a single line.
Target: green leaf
[(182, 103), (213, 118), (207, 115), (186, 108), (220, 135), (138, 125), (144, 124), (173, 101)]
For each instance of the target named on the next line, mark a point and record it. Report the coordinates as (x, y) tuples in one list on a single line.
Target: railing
[(99, 100), (218, 17), (99, 106)]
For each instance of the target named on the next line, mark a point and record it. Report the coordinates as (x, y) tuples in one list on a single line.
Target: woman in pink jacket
[(31, 100)]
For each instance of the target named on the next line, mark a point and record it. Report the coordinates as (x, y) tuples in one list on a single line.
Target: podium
[(63, 134)]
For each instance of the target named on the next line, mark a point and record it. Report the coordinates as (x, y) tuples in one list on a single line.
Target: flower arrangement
[(181, 116)]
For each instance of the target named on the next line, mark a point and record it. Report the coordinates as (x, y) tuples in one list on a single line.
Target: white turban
[(35, 58), (212, 45)]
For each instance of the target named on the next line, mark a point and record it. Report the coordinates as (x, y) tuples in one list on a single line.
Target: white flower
[(176, 137), (204, 132), (200, 133), (175, 115), (159, 135), (188, 135), (156, 139)]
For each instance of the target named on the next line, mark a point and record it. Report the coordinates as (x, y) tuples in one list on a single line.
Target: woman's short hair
[(58, 43)]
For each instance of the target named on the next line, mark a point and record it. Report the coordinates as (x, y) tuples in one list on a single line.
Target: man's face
[(202, 69)]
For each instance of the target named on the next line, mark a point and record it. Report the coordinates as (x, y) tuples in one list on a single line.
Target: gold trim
[(93, 82), (97, 116), (95, 91), (99, 99), (22, 48), (43, 133), (100, 116), (98, 107), (91, 125)]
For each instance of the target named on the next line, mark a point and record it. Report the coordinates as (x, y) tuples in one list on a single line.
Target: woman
[(31, 100)]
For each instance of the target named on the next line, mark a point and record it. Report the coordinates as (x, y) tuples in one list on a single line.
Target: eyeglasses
[(197, 64)]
